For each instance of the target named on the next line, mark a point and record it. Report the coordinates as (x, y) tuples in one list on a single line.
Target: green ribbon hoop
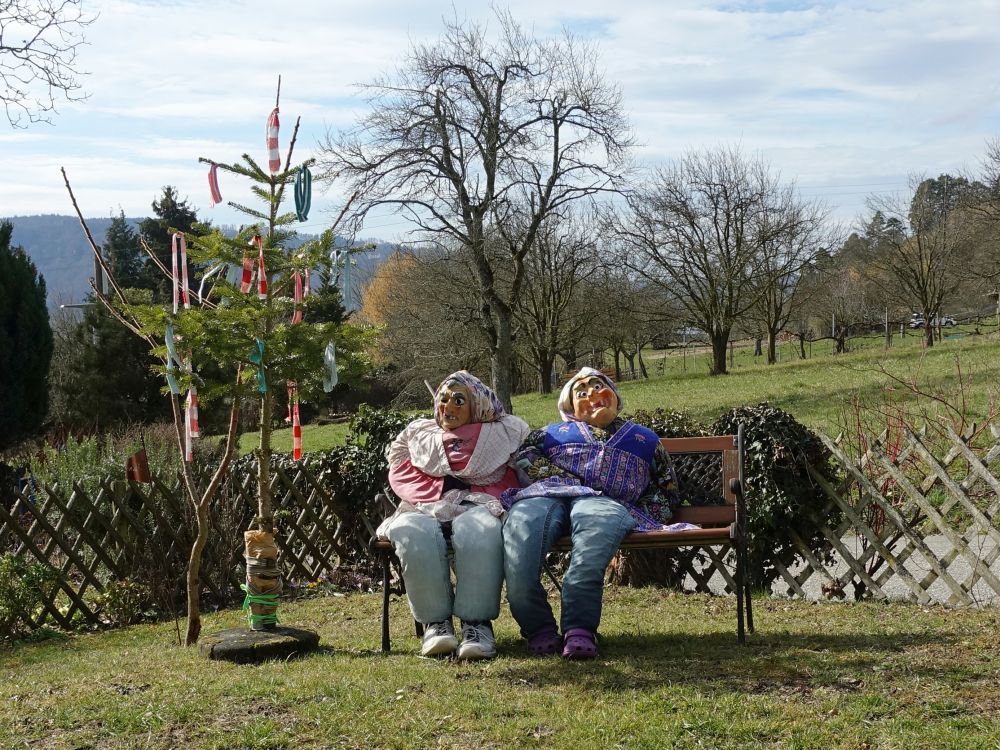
[(268, 600)]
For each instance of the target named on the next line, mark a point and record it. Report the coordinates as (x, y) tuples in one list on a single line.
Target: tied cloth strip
[(297, 315), (213, 186), (293, 417), (172, 358), (178, 253), (261, 273), (206, 277), (191, 430), (303, 192), (246, 281), (271, 137), (257, 358), (263, 582), (330, 362)]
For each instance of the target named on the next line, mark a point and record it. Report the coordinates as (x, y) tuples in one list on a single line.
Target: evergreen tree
[(25, 342), (170, 215), (122, 252)]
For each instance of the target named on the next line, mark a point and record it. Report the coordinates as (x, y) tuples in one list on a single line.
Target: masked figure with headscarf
[(594, 477), (448, 473)]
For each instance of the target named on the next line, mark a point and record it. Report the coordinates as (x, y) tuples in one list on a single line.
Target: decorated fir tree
[(238, 330)]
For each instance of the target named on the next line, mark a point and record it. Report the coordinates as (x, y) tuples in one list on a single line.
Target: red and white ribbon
[(191, 430), (213, 186), (178, 253), (247, 279), (271, 136), (293, 405), (297, 315), (261, 272)]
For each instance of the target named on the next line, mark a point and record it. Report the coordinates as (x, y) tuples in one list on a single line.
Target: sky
[(845, 99)]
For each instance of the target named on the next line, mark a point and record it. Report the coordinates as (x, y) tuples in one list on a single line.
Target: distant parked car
[(917, 321)]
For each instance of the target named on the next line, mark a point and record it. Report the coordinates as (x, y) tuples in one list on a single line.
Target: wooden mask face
[(454, 408), (594, 402)]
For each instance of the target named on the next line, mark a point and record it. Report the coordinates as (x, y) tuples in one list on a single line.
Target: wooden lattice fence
[(116, 530), (916, 527)]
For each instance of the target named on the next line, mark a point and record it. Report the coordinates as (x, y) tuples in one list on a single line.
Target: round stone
[(245, 646)]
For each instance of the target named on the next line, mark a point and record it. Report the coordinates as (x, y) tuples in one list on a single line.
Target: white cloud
[(835, 94)]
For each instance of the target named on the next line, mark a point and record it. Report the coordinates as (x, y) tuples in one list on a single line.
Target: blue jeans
[(477, 542), (596, 526)]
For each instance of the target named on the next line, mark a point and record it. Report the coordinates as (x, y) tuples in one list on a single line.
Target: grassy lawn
[(669, 675), (818, 391)]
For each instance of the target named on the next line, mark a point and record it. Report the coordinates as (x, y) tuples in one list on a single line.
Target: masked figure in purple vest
[(594, 477), (448, 473)]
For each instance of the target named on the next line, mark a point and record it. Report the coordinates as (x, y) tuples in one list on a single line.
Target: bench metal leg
[(740, 593), (385, 604), (749, 600)]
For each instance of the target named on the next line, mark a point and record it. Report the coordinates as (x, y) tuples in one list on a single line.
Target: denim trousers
[(596, 526), (477, 543)]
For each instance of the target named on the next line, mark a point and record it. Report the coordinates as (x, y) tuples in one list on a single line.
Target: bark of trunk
[(719, 342), (802, 346), (757, 346), (194, 575), (545, 364), (772, 347), (502, 356), (928, 333)]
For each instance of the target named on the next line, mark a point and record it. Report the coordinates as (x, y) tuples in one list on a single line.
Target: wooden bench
[(710, 475)]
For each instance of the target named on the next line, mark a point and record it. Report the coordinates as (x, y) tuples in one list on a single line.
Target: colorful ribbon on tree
[(178, 253), (330, 361), (271, 137), (261, 272), (213, 186), (297, 315), (303, 192), (172, 358), (293, 417), (246, 280), (257, 358)]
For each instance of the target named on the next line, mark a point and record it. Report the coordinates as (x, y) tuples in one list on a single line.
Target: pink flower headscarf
[(566, 394), (486, 405)]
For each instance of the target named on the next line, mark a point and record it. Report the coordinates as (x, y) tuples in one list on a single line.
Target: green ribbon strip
[(257, 357), (268, 600)]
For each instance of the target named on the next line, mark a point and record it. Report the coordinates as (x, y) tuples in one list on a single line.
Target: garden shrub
[(124, 601), (780, 493), (668, 423), (23, 587)]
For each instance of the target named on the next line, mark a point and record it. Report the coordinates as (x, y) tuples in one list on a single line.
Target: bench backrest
[(705, 466)]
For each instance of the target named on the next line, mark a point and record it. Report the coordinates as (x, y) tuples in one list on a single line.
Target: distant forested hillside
[(59, 249)]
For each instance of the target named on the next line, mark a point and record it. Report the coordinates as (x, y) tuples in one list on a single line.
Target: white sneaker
[(439, 639), (478, 641)]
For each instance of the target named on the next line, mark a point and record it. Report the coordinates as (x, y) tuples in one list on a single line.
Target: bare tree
[(563, 257), (782, 263), (921, 259), (476, 136), (39, 42), (704, 229)]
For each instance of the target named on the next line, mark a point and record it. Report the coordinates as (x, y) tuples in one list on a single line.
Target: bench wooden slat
[(711, 444)]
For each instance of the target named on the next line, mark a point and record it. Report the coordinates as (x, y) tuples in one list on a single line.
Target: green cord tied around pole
[(303, 192), (267, 600), (257, 357)]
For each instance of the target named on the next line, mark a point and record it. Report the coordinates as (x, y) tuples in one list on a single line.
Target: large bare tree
[(481, 135), (39, 42), (707, 229)]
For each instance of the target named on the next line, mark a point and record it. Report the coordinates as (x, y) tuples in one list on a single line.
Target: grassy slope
[(670, 675), (818, 391)]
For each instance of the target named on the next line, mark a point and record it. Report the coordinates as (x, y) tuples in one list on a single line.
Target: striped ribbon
[(293, 406), (247, 279), (261, 273), (303, 192), (271, 137), (213, 186), (297, 315), (206, 277), (178, 253)]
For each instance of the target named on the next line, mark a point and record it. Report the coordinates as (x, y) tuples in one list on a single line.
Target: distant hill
[(60, 251)]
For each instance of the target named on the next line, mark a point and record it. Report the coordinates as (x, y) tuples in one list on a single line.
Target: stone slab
[(245, 646)]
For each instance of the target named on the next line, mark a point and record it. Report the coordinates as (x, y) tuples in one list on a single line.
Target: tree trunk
[(802, 346), (720, 341), (772, 342), (545, 362), (502, 356), (756, 346), (265, 511), (642, 365), (194, 575), (928, 332)]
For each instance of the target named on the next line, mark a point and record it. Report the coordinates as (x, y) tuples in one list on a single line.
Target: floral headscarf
[(486, 405), (566, 394)]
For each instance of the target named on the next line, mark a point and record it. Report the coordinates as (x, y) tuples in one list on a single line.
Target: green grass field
[(818, 391), (669, 675)]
